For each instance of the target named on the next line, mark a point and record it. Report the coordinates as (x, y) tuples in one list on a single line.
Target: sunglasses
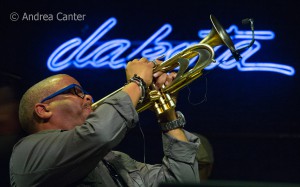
[(72, 88)]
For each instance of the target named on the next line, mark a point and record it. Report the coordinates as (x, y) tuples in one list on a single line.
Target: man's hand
[(163, 79), (142, 68)]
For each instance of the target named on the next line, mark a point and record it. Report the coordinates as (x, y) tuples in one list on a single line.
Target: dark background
[(251, 118)]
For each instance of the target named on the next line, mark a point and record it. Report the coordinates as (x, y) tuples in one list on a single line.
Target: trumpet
[(161, 100)]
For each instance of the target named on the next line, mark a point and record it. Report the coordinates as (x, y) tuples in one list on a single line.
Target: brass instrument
[(161, 99)]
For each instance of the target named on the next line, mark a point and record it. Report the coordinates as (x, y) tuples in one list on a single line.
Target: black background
[(251, 118)]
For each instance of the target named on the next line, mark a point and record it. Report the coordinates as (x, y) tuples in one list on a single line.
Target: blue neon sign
[(95, 53)]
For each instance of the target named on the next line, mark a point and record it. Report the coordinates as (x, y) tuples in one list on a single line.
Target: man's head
[(57, 102)]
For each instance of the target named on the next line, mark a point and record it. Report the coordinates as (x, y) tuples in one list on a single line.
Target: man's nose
[(89, 98)]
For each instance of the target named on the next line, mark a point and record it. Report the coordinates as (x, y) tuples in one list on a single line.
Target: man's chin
[(88, 110)]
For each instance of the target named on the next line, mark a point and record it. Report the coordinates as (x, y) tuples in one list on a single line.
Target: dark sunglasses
[(72, 88)]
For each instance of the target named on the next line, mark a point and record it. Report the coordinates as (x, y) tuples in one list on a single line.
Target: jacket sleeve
[(179, 164)]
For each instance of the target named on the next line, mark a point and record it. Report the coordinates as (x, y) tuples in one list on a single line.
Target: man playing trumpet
[(70, 144)]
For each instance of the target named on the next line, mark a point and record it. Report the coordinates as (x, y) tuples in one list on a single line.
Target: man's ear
[(42, 111)]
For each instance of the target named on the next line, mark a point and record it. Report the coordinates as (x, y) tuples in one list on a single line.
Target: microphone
[(237, 52), (246, 21)]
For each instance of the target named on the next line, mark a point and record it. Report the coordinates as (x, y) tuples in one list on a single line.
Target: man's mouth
[(88, 106)]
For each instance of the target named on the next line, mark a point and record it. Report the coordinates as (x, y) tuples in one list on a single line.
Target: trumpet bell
[(218, 36)]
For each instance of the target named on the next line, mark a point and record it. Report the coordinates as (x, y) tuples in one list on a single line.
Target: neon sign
[(95, 53)]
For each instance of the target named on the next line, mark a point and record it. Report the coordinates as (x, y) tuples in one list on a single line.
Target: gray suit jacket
[(74, 157)]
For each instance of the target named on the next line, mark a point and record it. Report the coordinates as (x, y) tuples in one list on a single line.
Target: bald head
[(34, 95)]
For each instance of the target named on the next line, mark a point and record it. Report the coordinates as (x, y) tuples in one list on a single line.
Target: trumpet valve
[(154, 95), (158, 109), (170, 101)]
